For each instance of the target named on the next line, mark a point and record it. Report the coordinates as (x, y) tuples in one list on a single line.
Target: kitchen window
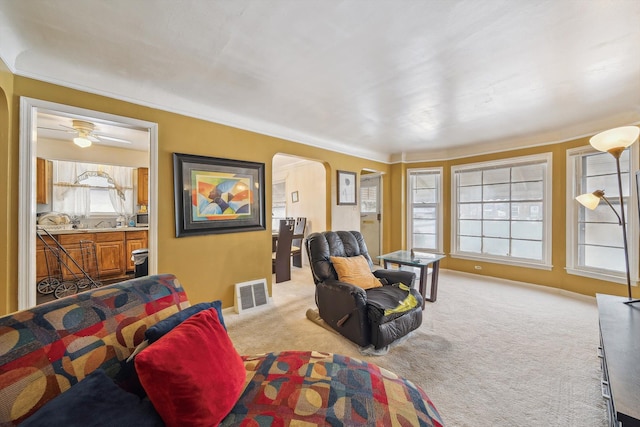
[(85, 189)]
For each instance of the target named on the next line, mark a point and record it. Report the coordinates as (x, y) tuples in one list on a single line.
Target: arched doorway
[(299, 190)]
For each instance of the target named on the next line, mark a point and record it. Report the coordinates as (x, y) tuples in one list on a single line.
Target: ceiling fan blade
[(69, 129), (111, 138), (55, 129)]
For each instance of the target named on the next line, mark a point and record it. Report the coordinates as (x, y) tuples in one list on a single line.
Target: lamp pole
[(617, 152), (614, 142)]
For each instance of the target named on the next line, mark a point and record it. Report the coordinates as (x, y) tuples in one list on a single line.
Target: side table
[(422, 261)]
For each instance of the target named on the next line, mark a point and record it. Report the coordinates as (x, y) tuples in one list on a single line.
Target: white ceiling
[(60, 126), (383, 79)]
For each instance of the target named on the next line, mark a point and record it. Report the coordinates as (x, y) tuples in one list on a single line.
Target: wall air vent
[(250, 295)]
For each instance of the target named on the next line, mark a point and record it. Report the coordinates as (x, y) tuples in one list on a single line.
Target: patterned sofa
[(47, 350)]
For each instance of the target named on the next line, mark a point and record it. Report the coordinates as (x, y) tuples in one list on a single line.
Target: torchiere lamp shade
[(617, 138)]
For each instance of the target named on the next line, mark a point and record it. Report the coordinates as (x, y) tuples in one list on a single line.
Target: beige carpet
[(489, 352)]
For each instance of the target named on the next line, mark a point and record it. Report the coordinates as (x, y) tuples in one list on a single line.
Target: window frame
[(546, 262), (439, 171), (283, 203), (573, 179)]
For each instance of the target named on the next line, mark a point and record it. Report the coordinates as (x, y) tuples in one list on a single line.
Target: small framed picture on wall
[(347, 188)]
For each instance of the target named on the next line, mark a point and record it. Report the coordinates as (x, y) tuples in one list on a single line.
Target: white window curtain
[(72, 197)]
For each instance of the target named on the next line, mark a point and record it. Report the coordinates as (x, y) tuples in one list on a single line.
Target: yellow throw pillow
[(355, 270)]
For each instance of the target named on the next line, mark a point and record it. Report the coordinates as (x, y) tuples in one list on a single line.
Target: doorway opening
[(299, 191), (47, 131), (371, 212)]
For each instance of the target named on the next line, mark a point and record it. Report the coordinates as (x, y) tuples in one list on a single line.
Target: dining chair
[(281, 258), (296, 244)]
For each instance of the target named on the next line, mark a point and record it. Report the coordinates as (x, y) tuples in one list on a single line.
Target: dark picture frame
[(347, 188), (215, 195), (294, 197)]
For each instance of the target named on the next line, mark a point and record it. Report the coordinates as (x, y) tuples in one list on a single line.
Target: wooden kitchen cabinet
[(143, 186), (110, 253), (44, 256), (43, 175), (76, 259), (135, 240), (102, 255)]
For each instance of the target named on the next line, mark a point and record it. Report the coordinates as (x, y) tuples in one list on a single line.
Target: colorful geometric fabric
[(318, 389), (47, 349)]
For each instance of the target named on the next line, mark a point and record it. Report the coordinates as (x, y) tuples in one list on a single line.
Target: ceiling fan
[(86, 133)]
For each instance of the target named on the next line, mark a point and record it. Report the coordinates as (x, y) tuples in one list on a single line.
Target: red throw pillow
[(193, 375)]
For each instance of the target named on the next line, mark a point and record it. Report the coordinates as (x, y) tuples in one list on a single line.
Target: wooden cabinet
[(47, 264), (619, 350), (135, 240), (143, 186), (102, 255), (79, 256), (110, 253), (43, 175)]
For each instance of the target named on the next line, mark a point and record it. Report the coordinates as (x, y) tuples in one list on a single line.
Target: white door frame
[(27, 183)]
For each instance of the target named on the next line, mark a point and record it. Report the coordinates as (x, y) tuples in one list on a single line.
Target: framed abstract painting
[(214, 195)]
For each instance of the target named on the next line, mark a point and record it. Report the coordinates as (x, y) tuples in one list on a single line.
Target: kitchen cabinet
[(78, 248), (43, 177), (143, 186), (110, 253), (135, 240), (101, 254), (46, 263)]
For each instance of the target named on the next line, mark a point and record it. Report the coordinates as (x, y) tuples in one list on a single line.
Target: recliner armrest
[(335, 285), (396, 276)]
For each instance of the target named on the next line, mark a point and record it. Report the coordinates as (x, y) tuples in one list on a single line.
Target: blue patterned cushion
[(156, 331), (96, 401)]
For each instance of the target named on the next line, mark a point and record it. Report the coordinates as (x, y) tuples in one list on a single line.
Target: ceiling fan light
[(619, 138), (81, 142)]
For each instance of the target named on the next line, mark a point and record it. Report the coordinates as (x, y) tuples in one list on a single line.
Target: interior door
[(370, 214)]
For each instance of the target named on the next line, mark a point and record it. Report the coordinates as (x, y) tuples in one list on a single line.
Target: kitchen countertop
[(93, 230)]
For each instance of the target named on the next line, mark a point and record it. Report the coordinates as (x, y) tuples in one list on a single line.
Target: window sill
[(607, 277), (511, 262)]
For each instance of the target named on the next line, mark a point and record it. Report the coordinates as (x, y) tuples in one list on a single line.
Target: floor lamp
[(614, 141)]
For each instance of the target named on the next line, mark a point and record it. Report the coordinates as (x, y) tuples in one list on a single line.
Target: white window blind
[(424, 222), (278, 204)]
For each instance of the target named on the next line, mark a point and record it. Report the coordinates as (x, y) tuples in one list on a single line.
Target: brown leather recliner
[(356, 313)]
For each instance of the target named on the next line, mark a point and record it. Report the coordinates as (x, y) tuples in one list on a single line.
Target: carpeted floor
[(489, 352)]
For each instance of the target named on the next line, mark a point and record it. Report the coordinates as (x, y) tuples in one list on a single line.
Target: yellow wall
[(207, 266), (8, 170)]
